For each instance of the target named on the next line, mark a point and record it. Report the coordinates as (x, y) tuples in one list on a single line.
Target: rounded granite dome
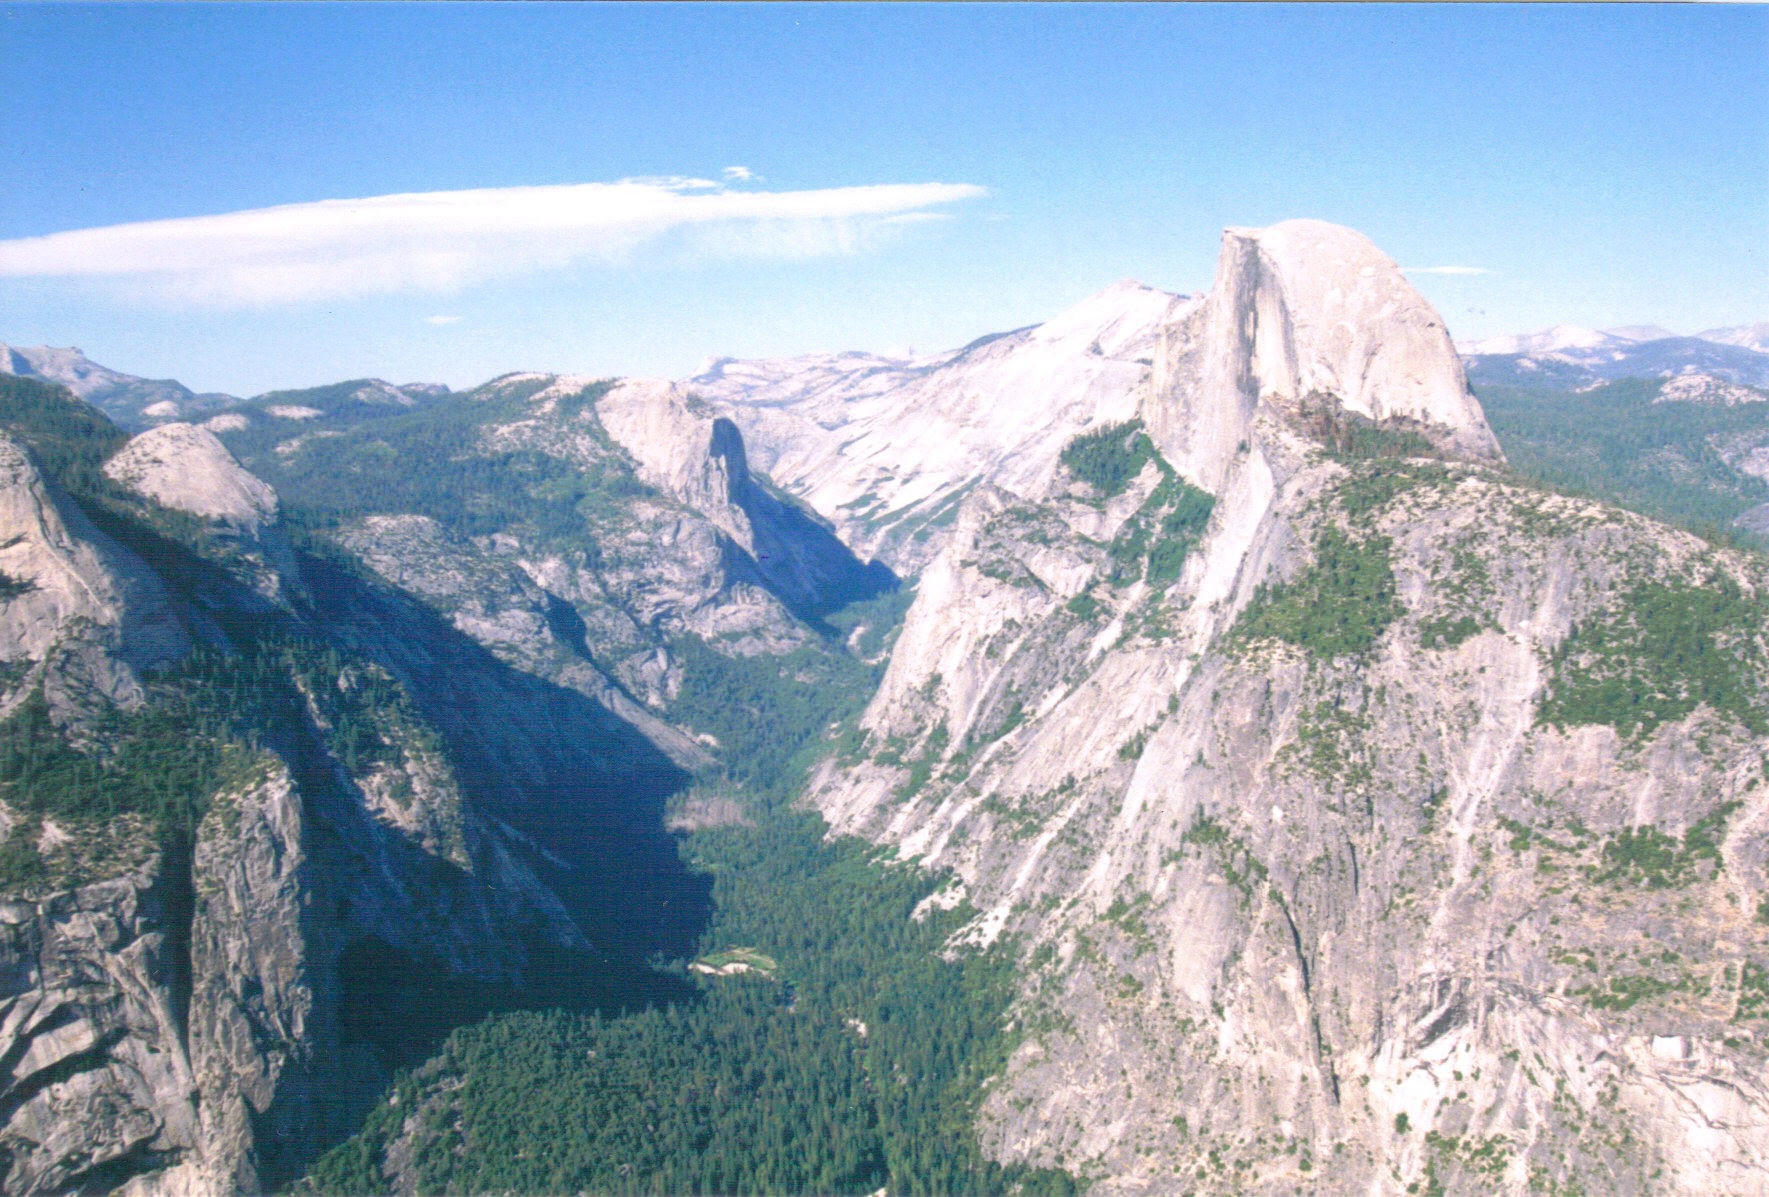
[(187, 468)]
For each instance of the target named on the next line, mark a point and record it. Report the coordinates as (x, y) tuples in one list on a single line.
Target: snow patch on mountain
[(1640, 332), (1550, 340)]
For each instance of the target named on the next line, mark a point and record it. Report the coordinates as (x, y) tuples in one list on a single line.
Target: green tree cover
[(70, 439), (433, 461), (1646, 856), (760, 1086), (1110, 457), (764, 709), (1154, 543), (772, 715), (1372, 484), (334, 399), (1614, 443), (1351, 436), (197, 732), (163, 761), (1662, 650), (1339, 606)]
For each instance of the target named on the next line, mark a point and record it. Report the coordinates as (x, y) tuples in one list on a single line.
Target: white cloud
[(741, 174), (442, 320), (440, 241), (1445, 270), (914, 217)]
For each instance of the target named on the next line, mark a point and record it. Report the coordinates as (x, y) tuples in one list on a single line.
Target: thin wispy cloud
[(440, 320), (440, 241), (914, 217), (1445, 270), (741, 174)]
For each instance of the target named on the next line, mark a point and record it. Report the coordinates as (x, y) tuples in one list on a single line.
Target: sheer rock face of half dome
[(1306, 311)]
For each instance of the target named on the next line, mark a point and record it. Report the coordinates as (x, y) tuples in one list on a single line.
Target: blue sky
[(919, 175)]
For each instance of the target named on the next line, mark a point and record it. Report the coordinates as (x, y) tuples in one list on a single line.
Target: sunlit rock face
[(887, 448), (79, 614), (1304, 309), (1319, 871), (187, 468)]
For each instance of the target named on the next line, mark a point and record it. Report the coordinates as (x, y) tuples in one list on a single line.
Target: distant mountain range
[(1570, 357), (137, 403)]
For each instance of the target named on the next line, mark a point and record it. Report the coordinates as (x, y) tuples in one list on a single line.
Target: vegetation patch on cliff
[(199, 732), (1662, 650), (1154, 543), (1648, 857), (1339, 606), (1110, 457)]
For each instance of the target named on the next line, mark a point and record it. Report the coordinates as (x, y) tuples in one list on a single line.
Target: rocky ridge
[(887, 448), (182, 1005), (1325, 854), (673, 536), (132, 401), (1564, 338), (1571, 357), (1750, 336), (1704, 388), (80, 615)]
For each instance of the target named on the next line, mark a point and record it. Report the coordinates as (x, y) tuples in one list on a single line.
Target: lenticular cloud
[(439, 241)]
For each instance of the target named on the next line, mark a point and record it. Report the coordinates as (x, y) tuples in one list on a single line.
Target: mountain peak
[(1641, 333), (1746, 336), (68, 366), (1306, 308), (1115, 318)]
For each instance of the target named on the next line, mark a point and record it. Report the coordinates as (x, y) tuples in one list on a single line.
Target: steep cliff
[(580, 530), (80, 616), (177, 1010), (1298, 310), (1386, 834), (240, 879), (887, 448), (699, 457)]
